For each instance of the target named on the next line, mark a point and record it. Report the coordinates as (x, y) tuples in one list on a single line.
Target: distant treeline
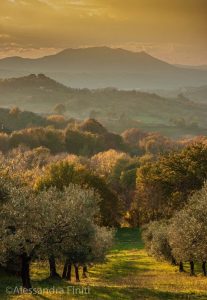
[(85, 138)]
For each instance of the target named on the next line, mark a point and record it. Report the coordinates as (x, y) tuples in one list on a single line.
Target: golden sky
[(174, 30)]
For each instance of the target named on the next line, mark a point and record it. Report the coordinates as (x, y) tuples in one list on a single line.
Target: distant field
[(129, 273)]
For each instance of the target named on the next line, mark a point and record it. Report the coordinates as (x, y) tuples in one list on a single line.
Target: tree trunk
[(181, 268), (77, 273), (53, 272), (192, 270), (65, 269), (68, 274), (25, 273), (204, 268), (85, 271)]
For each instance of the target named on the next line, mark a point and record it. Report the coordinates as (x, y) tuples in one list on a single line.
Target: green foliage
[(60, 109), (92, 126), (164, 185), (188, 229), (124, 171), (56, 133), (36, 137), (15, 119), (156, 238), (4, 195), (62, 173), (90, 137), (81, 143), (58, 175), (51, 222), (183, 237)]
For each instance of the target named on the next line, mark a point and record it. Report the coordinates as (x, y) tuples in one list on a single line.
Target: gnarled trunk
[(76, 273), (204, 268), (85, 270), (53, 272), (25, 272), (192, 269), (181, 268), (65, 269), (68, 274)]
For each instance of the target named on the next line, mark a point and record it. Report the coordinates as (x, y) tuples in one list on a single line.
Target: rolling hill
[(195, 93), (100, 67), (198, 94), (116, 109)]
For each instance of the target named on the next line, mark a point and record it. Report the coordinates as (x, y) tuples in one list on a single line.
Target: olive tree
[(91, 245), (90, 241), (188, 231), (45, 223), (156, 239)]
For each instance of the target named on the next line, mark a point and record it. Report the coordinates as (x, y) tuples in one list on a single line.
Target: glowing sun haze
[(173, 30)]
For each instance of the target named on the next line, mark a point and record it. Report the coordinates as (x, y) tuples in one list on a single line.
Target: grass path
[(129, 273)]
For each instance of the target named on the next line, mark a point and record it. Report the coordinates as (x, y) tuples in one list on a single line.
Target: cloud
[(73, 23), (4, 36), (13, 49)]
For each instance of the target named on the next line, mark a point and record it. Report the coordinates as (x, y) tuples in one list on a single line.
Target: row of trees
[(182, 238), (81, 138), (55, 224), (39, 189)]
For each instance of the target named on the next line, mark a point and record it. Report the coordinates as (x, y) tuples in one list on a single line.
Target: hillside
[(99, 67), (32, 92), (195, 93), (198, 94), (116, 109)]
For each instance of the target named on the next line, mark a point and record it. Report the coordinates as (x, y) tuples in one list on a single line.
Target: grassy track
[(129, 273)]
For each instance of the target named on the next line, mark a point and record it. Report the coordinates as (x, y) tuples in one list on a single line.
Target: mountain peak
[(101, 49), (103, 67)]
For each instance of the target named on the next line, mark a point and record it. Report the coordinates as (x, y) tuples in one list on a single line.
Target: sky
[(173, 30)]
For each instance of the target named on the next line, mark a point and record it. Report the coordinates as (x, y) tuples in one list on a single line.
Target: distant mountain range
[(99, 67)]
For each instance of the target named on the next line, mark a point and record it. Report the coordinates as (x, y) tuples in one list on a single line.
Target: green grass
[(128, 273)]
